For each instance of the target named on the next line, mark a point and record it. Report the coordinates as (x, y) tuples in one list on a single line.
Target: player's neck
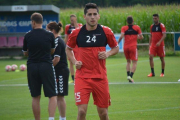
[(37, 27), (89, 28), (56, 35), (156, 23)]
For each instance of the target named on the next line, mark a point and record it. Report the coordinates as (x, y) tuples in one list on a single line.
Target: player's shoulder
[(48, 32), (67, 25), (28, 33), (106, 29), (80, 24), (75, 32), (161, 24), (137, 26)]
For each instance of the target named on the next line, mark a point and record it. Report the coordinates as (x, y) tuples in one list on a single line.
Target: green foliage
[(115, 18)]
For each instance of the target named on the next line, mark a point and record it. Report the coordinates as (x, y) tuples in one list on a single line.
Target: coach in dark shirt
[(38, 45)]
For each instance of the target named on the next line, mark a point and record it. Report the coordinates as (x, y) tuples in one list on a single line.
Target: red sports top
[(131, 32), (69, 28), (89, 44), (157, 33)]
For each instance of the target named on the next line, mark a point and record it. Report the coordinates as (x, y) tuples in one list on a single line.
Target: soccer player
[(38, 45), (156, 44), (61, 67), (91, 74), (68, 30), (131, 33)]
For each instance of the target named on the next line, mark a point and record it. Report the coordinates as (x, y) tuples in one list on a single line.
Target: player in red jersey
[(156, 43), (68, 30), (130, 33), (91, 74)]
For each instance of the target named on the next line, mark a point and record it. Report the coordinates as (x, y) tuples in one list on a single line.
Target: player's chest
[(91, 39), (156, 28)]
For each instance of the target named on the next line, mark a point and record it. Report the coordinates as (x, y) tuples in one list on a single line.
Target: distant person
[(38, 45), (156, 44), (91, 75), (130, 33), (68, 29), (61, 67)]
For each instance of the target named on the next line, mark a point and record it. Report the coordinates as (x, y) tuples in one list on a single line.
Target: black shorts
[(62, 76), (41, 74)]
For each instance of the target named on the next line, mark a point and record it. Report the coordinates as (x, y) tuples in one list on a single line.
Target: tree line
[(81, 3)]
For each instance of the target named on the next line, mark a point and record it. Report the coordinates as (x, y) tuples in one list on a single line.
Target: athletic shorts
[(41, 74), (99, 89), (131, 53), (157, 51), (62, 76)]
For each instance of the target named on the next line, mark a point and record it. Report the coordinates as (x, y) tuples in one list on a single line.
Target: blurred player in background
[(130, 33), (38, 45), (61, 67), (68, 30), (156, 44), (91, 74)]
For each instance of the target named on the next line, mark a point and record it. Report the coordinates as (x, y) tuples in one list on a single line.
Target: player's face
[(92, 17), (155, 19), (73, 20)]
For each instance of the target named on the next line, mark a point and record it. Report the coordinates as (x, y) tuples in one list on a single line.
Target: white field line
[(14, 79), (126, 62), (111, 83)]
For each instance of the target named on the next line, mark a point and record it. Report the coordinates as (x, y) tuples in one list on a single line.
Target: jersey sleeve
[(111, 40), (71, 43), (24, 45), (58, 50), (66, 29), (52, 41), (122, 30), (151, 29), (139, 31), (163, 28)]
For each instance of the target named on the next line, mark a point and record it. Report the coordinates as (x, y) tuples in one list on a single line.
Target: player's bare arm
[(52, 51), (140, 37), (56, 60), (104, 54), (150, 40), (163, 37), (70, 54), (25, 53), (121, 37), (66, 38)]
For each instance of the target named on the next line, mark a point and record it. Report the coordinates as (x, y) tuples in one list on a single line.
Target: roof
[(25, 8)]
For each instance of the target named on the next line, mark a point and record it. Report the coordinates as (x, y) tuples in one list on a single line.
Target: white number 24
[(89, 39)]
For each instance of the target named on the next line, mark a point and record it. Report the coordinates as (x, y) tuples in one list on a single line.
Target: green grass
[(129, 101)]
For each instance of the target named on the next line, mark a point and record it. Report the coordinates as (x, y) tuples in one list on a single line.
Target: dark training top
[(60, 52), (38, 43)]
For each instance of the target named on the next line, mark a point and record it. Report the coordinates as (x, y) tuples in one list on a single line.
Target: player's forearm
[(70, 55), (119, 39), (55, 61), (66, 39), (163, 37), (113, 51)]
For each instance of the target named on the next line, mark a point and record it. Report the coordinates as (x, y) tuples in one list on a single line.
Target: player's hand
[(158, 44), (103, 55), (78, 64)]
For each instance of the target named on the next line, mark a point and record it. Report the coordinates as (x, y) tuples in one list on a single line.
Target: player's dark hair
[(155, 15), (37, 18), (129, 19), (90, 6), (55, 26), (72, 15)]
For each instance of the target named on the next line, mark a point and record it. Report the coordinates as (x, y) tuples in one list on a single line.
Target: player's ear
[(84, 16)]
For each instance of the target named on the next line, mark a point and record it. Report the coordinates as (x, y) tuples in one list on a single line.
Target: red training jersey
[(90, 43), (157, 33), (131, 32), (69, 28)]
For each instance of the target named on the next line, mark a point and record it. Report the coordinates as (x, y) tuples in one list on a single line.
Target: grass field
[(147, 99)]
